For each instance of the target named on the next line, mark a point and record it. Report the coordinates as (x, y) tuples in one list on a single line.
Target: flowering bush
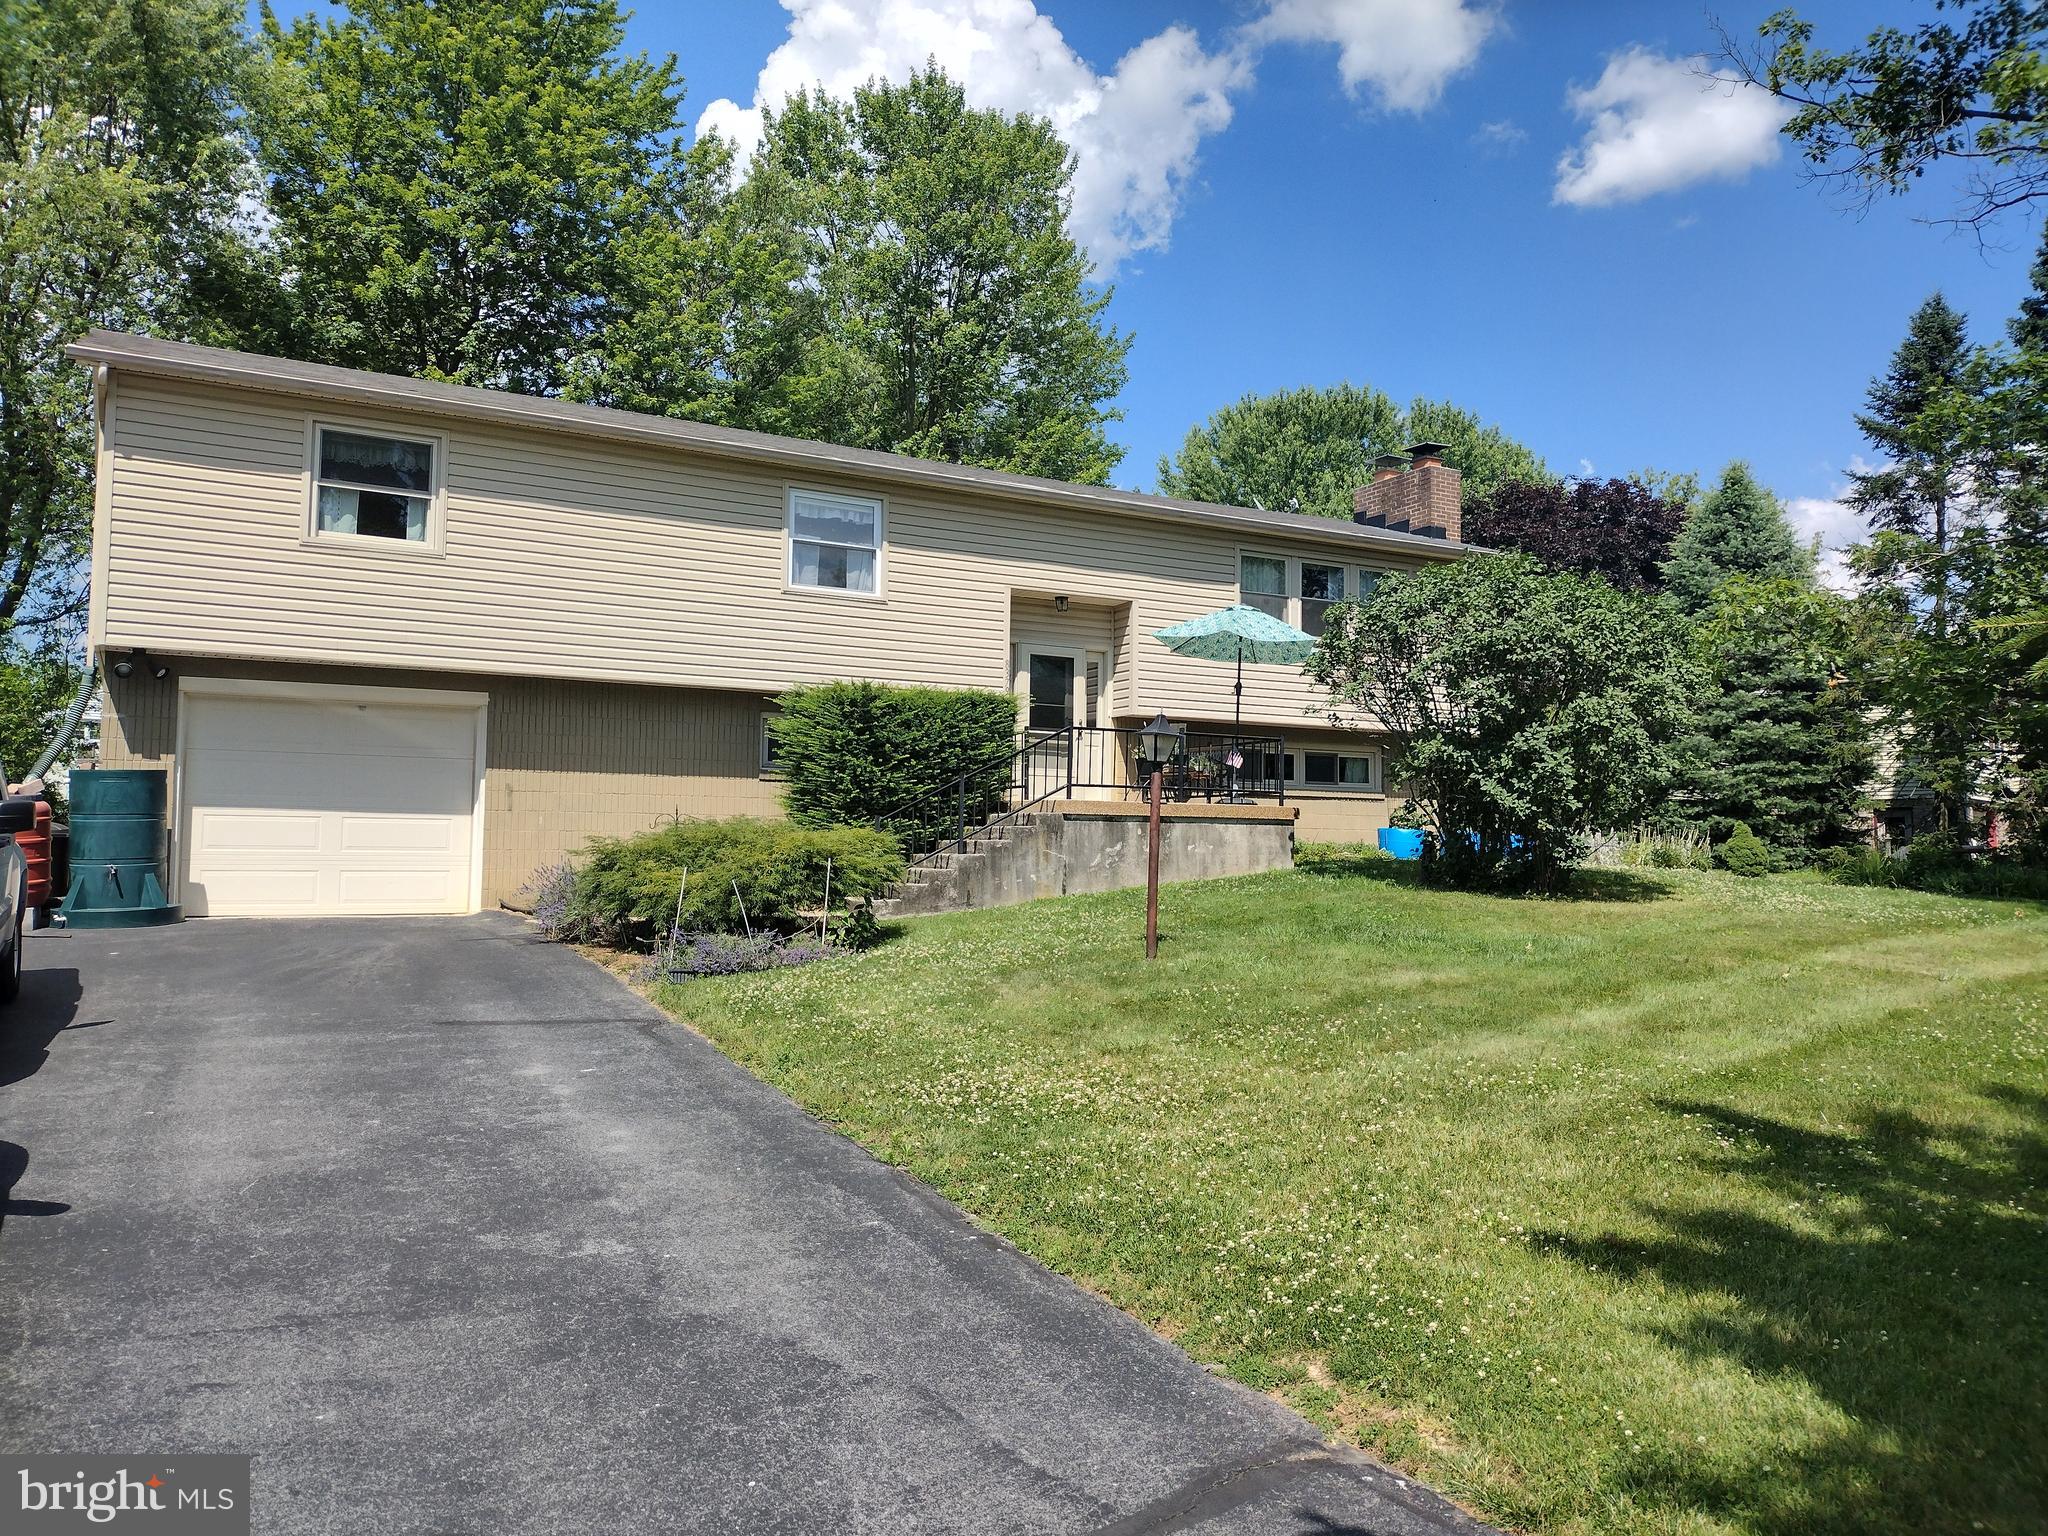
[(725, 954), (551, 889)]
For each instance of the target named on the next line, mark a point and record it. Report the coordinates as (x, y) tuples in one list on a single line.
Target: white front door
[(327, 803)]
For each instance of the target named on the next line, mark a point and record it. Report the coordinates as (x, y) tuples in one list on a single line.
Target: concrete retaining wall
[(1074, 847)]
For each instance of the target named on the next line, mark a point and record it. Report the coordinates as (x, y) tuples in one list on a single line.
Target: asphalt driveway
[(453, 1233)]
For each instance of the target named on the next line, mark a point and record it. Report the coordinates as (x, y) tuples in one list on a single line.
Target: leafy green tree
[(1619, 529), (1780, 742), (1738, 529), (911, 285), (37, 684), (1530, 709), (700, 326), (1970, 88), (1308, 450), (454, 183), (119, 175)]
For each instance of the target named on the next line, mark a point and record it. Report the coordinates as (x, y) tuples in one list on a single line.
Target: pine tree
[(2029, 328), (1738, 529), (1928, 561), (1780, 741)]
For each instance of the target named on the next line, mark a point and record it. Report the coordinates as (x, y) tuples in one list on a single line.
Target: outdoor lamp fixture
[(1059, 603), (1160, 742), (138, 657)]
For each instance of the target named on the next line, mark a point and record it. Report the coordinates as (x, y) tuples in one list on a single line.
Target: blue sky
[(1308, 191)]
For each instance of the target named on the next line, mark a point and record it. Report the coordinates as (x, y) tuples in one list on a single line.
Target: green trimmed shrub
[(1744, 853), (624, 890), (852, 753)]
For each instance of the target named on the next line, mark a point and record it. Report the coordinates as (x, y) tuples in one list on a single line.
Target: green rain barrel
[(117, 849)]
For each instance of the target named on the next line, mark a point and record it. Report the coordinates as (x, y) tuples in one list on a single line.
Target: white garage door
[(326, 805)]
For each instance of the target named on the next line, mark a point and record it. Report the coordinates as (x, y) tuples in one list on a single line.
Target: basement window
[(1336, 770), (370, 486)]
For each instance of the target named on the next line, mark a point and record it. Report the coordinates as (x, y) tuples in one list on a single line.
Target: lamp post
[(1159, 742)]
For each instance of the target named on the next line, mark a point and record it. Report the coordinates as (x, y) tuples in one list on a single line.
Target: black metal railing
[(1058, 764)]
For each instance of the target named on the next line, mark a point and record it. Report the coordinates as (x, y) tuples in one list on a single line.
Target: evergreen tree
[(1738, 529), (1930, 564), (1308, 450), (1780, 740), (2029, 328), (454, 183)]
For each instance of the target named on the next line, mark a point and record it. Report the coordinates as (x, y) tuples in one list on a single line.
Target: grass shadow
[(1587, 884), (1904, 1286)]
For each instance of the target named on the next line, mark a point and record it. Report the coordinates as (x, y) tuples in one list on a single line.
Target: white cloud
[(1403, 51), (1137, 131), (1501, 136), (1834, 523), (1661, 123)]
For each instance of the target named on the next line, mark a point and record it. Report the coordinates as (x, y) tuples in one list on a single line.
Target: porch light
[(1161, 740)]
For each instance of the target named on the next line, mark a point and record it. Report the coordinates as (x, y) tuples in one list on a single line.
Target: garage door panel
[(399, 834), (297, 807), (424, 889), (343, 782), (227, 892), (222, 831)]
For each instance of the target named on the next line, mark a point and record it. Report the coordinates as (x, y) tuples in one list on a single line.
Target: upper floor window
[(1321, 585), (835, 542), (372, 486), (1262, 584)]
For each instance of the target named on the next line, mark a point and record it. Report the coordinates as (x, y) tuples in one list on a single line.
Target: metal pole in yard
[(1152, 875)]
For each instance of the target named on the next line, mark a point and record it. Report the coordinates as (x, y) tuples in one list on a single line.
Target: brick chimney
[(1416, 492)]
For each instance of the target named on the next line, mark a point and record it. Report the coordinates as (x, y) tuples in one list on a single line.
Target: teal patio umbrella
[(1238, 633)]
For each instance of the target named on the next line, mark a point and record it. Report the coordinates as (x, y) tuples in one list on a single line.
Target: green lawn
[(1699, 1205)]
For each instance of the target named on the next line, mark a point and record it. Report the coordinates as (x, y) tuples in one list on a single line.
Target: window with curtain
[(1321, 585), (1262, 584), (1336, 770), (1368, 583), (371, 486), (835, 542)]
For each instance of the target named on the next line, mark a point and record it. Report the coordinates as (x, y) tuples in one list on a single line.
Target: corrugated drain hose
[(65, 731)]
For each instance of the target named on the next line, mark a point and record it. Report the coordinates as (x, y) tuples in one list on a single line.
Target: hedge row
[(854, 753)]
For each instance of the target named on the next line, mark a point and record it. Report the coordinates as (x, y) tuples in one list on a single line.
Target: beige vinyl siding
[(564, 761), (571, 558)]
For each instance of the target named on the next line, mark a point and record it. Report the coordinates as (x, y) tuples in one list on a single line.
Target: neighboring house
[(1902, 808), (420, 640)]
